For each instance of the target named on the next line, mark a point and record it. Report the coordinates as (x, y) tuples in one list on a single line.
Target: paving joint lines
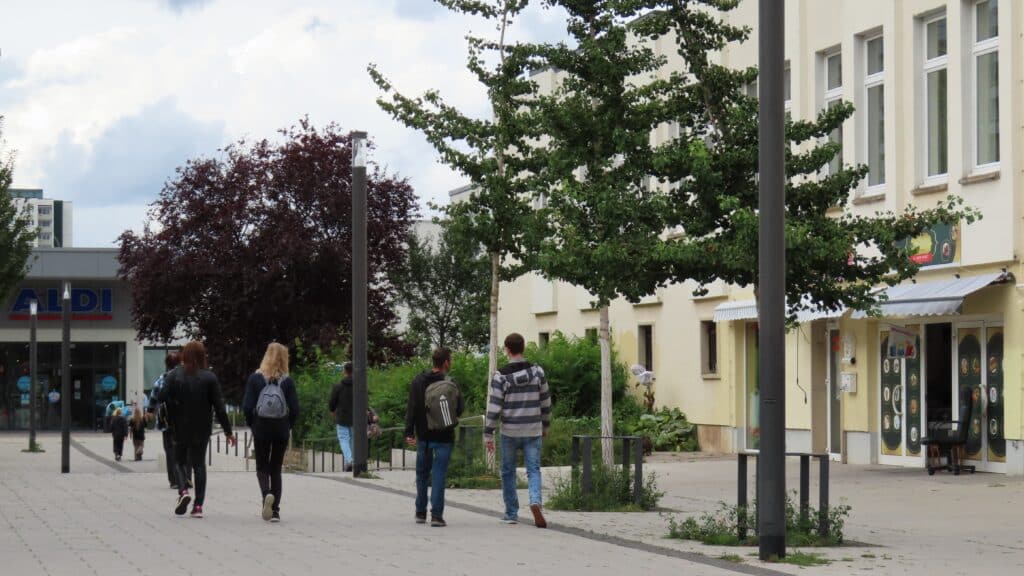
[(81, 448), (694, 557)]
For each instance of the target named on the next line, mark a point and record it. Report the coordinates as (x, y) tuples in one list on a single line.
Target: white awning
[(935, 297), (736, 310), (747, 310)]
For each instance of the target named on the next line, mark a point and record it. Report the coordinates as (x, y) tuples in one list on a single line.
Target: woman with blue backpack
[(271, 407)]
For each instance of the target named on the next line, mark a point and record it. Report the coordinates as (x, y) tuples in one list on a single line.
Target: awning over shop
[(747, 310), (935, 297)]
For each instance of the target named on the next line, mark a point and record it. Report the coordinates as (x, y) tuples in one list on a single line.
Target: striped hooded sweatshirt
[(520, 399)]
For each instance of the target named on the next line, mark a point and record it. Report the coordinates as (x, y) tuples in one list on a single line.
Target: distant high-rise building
[(52, 218)]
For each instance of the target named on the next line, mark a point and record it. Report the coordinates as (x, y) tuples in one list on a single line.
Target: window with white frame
[(985, 79), (874, 111), (936, 135), (787, 88), (833, 96)]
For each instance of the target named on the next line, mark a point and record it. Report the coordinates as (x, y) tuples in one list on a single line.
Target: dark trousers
[(172, 459), (118, 445), (192, 453), (269, 455)]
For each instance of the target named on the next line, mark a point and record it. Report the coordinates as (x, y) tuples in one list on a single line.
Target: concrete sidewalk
[(902, 520), (109, 520)]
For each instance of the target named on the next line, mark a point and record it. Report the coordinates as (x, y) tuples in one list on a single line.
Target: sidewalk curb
[(694, 557)]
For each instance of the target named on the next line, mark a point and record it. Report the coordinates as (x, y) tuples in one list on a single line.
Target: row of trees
[(610, 194)]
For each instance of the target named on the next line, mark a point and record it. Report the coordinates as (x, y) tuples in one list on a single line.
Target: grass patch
[(612, 491), (868, 556), (804, 559), (847, 559), (720, 528), (368, 476), (731, 558)]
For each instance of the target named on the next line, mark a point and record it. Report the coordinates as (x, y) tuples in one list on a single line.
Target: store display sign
[(937, 246), (902, 343), (108, 384), (24, 383), (89, 304)]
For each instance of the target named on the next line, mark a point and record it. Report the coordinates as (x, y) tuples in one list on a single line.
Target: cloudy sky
[(103, 99)]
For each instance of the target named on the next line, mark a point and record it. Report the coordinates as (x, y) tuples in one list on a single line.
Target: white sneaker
[(268, 507)]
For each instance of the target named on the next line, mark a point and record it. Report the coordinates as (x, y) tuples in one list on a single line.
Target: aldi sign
[(87, 304)]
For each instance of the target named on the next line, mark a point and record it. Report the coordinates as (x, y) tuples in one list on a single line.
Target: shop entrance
[(979, 377), (938, 351)]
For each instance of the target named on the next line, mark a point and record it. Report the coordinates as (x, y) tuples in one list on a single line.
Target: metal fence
[(583, 451)]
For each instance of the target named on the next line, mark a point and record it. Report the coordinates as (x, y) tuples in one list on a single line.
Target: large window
[(833, 96), (874, 107), (708, 348), (985, 63), (935, 90)]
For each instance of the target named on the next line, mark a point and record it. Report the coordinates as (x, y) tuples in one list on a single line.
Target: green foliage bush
[(612, 492), (721, 527), (573, 369), (667, 428)]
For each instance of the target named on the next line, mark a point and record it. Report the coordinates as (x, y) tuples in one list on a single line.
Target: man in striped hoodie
[(520, 399)]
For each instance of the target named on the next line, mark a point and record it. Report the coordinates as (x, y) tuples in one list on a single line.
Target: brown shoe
[(538, 516)]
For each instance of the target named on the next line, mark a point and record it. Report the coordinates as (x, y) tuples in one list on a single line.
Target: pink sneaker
[(197, 511)]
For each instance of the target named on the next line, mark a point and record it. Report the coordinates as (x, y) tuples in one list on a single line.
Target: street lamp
[(359, 391), (65, 382), (771, 283), (33, 309)]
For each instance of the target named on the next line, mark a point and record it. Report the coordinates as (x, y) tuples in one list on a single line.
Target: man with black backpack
[(431, 415), (520, 399)]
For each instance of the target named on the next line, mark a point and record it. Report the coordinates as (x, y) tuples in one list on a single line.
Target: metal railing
[(805, 488), (630, 445), (324, 454)]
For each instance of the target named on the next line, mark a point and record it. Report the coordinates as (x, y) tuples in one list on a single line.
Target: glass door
[(752, 392), (979, 380), (901, 395), (835, 395)]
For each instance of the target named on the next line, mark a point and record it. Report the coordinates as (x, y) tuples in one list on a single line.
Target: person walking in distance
[(431, 416), (137, 427), (119, 431), (520, 400), (192, 393), (158, 410), (271, 407), (340, 405)]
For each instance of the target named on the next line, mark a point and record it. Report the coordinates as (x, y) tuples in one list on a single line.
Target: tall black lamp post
[(771, 282), (33, 366), (65, 382), (359, 336)]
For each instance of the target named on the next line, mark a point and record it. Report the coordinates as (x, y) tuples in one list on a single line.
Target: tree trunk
[(492, 346), (607, 429)]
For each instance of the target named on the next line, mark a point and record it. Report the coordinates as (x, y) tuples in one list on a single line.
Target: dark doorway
[(939, 371)]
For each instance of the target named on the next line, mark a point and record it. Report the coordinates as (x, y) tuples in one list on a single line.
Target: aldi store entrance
[(97, 378)]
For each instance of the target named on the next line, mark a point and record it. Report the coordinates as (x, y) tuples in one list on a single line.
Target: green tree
[(444, 286), (836, 258), (17, 233), (604, 222), (487, 151)]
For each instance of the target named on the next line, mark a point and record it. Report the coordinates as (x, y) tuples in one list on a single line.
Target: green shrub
[(721, 527), (612, 491), (668, 429), (573, 369)]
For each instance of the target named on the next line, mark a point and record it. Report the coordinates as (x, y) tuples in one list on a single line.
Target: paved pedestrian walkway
[(110, 519)]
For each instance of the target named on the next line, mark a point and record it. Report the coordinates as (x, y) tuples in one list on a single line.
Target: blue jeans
[(432, 463), (531, 458), (345, 441)]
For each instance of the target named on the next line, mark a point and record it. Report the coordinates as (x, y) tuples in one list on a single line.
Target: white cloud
[(250, 67)]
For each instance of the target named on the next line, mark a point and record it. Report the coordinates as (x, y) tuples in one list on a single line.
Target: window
[(833, 96), (751, 89), (45, 210), (45, 236), (787, 88), (985, 63), (45, 223), (874, 117), (708, 347), (645, 346), (543, 338), (591, 334), (935, 93)]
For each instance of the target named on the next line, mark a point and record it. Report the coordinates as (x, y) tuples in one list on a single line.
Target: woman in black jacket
[(192, 393), (271, 407)]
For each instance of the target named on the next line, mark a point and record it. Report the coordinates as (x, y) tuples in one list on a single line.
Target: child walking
[(119, 431), (138, 431)]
